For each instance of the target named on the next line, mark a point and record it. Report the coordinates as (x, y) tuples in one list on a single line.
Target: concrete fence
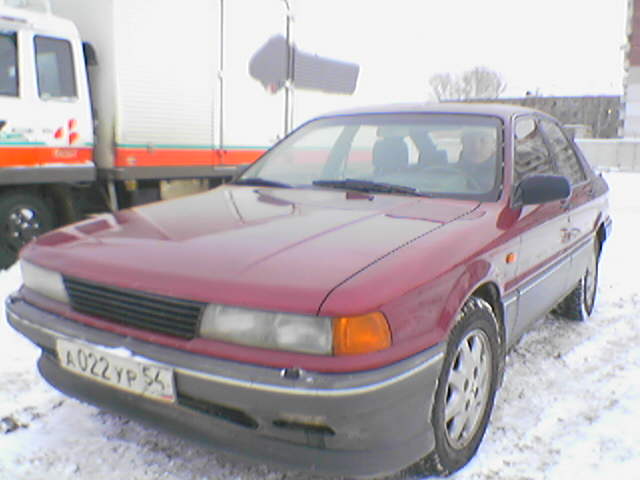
[(612, 154)]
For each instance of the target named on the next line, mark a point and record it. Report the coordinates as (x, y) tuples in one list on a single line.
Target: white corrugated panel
[(253, 116), (166, 64)]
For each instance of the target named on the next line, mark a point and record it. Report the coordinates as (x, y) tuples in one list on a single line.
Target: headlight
[(297, 333), (282, 331), (44, 281)]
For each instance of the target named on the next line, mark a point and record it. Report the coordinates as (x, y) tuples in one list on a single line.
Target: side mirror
[(538, 189)]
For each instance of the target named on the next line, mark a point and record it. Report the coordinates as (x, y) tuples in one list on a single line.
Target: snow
[(569, 406)]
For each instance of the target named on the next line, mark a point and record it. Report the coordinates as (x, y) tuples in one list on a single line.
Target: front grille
[(157, 313)]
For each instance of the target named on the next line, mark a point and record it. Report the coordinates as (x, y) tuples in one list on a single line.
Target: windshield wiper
[(368, 186), (260, 182)]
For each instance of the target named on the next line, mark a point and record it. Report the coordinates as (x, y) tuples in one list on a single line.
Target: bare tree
[(443, 86), (479, 82)]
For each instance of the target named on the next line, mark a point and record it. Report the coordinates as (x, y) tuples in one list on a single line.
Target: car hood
[(256, 247)]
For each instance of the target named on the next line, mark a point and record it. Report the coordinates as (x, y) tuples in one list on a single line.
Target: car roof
[(502, 110)]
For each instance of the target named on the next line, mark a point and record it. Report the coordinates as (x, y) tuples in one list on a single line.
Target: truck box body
[(158, 80)]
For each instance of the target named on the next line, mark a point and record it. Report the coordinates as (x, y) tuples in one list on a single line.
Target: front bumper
[(361, 424)]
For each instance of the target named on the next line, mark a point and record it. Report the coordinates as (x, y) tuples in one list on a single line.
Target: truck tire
[(23, 216)]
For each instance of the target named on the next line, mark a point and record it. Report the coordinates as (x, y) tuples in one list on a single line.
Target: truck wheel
[(23, 217), (466, 388), (579, 304)]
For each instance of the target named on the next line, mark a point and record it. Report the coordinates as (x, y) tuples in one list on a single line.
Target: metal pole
[(221, 78), (288, 92)]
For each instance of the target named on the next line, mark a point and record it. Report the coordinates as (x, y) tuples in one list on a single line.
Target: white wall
[(616, 154)]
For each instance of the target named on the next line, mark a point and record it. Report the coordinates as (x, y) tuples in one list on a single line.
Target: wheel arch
[(490, 293), (601, 235), (475, 281)]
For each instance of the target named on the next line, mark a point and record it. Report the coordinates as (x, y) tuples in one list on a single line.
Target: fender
[(472, 278)]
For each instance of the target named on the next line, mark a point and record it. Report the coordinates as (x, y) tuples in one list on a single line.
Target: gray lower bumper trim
[(361, 423)]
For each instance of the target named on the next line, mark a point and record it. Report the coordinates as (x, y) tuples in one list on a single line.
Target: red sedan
[(345, 305)]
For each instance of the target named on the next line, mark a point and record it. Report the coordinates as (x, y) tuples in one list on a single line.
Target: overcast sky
[(556, 47)]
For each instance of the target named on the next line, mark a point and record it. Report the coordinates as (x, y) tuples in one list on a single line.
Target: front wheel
[(466, 388), (23, 216)]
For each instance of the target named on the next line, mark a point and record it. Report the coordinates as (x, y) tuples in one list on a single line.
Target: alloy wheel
[(468, 387)]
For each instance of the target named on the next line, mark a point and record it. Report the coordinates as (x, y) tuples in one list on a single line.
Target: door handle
[(574, 233)]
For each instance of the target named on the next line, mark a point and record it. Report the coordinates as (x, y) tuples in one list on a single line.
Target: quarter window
[(54, 63), (8, 65), (566, 159), (531, 153)]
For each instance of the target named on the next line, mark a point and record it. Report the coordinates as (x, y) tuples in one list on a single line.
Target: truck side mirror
[(90, 56), (539, 189)]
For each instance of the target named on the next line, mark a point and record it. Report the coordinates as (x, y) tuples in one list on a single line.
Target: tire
[(466, 389), (579, 304), (23, 216)]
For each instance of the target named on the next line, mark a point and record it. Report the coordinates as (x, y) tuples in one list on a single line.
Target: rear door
[(582, 208)]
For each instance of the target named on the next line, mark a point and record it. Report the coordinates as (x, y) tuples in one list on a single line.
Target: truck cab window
[(8, 65), (54, 64)]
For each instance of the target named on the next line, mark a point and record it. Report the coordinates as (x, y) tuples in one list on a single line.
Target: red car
[(345, 305)]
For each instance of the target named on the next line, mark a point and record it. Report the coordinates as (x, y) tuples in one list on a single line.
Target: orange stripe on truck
[(176, 157), (37, 156)]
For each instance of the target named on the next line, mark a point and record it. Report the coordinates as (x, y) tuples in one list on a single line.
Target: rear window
[(54, 65), (8, 65)]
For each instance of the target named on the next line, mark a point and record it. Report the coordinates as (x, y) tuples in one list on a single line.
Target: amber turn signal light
[(360, 334)]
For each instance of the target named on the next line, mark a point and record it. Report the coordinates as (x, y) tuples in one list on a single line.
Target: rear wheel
[(579, 304), (23, 216)]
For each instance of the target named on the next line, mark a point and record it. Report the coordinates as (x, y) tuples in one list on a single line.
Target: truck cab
[(44, 100), (46, 125)]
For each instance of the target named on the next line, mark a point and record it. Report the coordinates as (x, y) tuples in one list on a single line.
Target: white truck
[(112, 103)]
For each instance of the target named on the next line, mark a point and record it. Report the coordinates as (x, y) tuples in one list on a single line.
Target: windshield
[(457, 156)]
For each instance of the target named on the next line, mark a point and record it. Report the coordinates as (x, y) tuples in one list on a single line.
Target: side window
[(566, 160), (531, 154), (54, 65), (8, 65)]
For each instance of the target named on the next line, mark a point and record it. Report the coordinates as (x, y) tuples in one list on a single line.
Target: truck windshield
[(458, 156), (8, 65)]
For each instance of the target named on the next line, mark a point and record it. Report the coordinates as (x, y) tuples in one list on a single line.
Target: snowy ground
[(569, 406)]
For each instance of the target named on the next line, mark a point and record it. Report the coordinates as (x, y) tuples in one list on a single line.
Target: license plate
[(143, 378)]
